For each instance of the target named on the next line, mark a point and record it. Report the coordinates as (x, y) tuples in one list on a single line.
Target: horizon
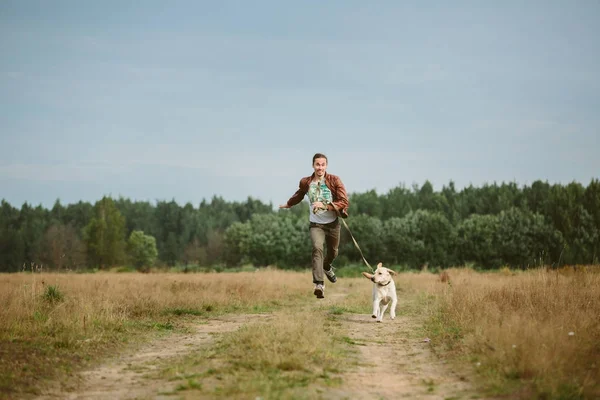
[(208, 200)]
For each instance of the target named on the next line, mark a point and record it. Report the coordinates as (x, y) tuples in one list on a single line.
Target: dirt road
[(393, 361)]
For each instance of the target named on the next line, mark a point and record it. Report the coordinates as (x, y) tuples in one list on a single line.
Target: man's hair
[(319, 155)]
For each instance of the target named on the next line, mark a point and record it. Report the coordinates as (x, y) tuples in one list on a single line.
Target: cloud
[(62, 172), (131, 162)]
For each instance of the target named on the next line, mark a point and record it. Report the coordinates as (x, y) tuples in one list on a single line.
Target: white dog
[(384, 292)]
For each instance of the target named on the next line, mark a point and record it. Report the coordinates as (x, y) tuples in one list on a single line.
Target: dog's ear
[(392, 272), (379, 265), (367, 275)]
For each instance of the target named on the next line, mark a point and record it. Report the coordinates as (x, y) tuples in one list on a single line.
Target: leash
[(318, 192), (356, 244)]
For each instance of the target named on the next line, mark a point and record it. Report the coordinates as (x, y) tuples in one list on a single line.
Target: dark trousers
[(323, 235)]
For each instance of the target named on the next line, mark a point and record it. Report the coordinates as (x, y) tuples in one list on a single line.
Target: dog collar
[(385, 284)]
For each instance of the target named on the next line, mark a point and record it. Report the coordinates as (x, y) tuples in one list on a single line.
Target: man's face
[(320, 165)]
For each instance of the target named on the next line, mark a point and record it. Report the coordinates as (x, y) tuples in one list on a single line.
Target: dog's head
[(381, 276)]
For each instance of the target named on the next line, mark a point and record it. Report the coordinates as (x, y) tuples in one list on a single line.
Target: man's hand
[(284, 206), (318, 204)]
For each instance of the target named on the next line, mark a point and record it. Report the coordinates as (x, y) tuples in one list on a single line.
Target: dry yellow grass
[(49, 323), (534, 333), (287, 357), (538, 327), (112, 297)]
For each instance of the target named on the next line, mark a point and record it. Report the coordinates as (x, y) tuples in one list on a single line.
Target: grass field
[(527, 334), (533, 332)]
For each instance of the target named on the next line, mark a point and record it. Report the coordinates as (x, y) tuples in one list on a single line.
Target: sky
[(186, 100)]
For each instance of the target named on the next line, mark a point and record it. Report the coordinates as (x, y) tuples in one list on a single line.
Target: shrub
[(52, 294)]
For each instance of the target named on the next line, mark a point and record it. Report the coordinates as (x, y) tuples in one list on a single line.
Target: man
[(328, 201)]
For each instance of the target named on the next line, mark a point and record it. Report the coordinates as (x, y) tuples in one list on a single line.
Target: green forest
[(485, 227)]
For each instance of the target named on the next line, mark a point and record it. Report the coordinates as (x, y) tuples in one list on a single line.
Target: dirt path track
[(123, 376), (393, 363)]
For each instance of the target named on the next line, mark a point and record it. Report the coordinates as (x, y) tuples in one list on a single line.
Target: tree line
[(488, 227)]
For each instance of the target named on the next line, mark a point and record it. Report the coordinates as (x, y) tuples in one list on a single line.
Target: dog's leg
[(393, 308), (381, 311), (375, 308)]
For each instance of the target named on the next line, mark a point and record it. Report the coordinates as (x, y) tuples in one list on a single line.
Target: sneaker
[(330, 275), (319, 291)]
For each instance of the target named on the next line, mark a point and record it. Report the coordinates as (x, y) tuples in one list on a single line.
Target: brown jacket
[(334, 183)]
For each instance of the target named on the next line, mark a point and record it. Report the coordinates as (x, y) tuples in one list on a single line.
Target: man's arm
[(296, 197), (340, 198)]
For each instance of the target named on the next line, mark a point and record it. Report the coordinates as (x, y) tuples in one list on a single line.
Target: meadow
[(523, 334), (534, 333)]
